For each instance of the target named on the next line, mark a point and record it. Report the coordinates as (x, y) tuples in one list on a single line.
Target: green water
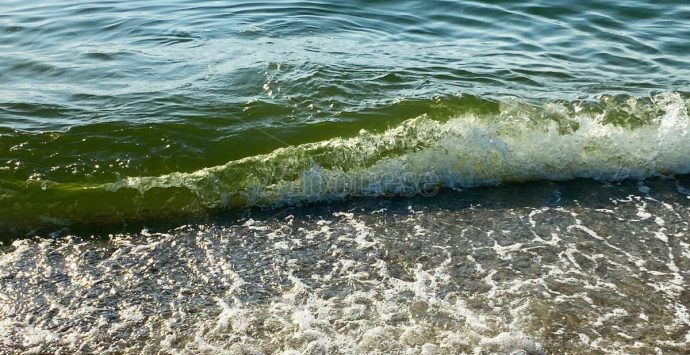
[(324, 177), (92, 93)]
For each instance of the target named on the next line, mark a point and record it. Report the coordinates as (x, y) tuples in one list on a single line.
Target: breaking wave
[(632, 138)]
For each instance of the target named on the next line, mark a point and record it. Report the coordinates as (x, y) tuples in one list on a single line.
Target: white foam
[(421, 154)]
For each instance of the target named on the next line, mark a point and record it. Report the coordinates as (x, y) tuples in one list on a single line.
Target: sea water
[(344, 177)]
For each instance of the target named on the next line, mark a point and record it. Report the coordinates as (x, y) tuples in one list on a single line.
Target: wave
[(555, 141), (421, 154)]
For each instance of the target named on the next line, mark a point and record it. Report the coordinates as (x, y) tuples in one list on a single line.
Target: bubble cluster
[(539, 272)]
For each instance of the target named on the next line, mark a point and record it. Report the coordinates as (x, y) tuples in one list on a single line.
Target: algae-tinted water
[(421, 176)]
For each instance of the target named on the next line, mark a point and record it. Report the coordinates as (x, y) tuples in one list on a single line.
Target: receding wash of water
[(344, 177)]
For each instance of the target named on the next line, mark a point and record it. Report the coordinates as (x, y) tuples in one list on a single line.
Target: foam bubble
[(422, 154)]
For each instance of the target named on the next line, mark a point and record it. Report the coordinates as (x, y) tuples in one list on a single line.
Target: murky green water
[(422, 176)]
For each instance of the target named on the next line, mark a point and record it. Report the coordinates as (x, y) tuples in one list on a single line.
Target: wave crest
[(555, 141), (422, 154)]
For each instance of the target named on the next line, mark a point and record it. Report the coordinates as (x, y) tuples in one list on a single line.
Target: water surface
[(475, 176)]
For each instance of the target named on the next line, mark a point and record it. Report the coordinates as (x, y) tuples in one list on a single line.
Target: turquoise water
[(248, 122)]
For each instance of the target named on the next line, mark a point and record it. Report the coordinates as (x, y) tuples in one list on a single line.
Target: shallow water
[(367, 176), (577, 267)]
